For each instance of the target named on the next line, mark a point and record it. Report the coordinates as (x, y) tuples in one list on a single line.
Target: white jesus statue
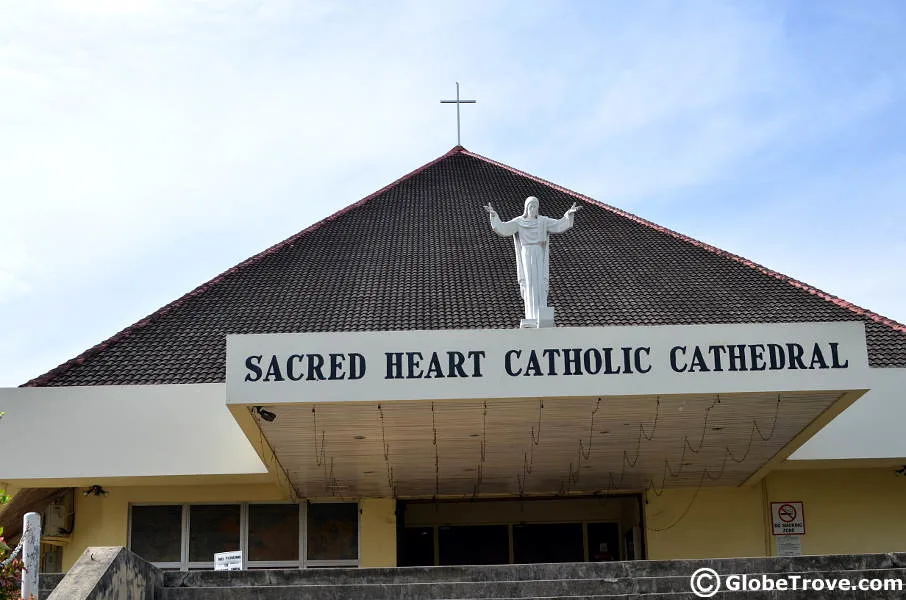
[(530, 237)]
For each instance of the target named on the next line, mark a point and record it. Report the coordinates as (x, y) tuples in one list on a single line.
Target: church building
[(445, 373)]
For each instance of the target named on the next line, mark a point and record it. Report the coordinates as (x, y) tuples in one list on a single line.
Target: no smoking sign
[(787, 518)]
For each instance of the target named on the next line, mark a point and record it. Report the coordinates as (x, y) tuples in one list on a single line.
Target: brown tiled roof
[(419, 254)]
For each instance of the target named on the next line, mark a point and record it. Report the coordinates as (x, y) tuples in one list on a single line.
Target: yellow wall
[(721, 522), (104, 520), (848, 511), (377, 532)]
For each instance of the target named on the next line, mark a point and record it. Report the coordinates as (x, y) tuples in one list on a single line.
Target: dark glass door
[(474, 545), (416, 547), (548, 543)]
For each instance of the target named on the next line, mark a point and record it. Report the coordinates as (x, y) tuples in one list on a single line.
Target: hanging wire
[(528, 459), (638, 444), (668, 471), (653, 488), (436, 457), (484, 430), (701, 439), (657, 414), (685, 511), (479, 478), (723, 467), (591, 431), (391, 484), (584, 454), (773, 425), (330, 481), (706, 472), (756, 429), (536, 441), (573, 478), (678, 472), (728, 453), (320, 454)]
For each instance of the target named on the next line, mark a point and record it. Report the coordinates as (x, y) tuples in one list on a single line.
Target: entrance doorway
[(543, 530)]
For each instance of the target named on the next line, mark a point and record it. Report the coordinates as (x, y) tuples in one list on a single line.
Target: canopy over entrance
[(532, 446), (517, 412)]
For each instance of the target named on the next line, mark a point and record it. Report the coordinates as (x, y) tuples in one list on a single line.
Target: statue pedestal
[(546, 319)]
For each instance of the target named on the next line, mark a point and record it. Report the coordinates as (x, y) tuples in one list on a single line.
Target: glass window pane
[(156, 532), (603, 542), (212, 528), (333, 531), (273, 532), (548, 543)]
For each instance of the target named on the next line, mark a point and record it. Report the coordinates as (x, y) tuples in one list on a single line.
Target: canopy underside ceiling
[(466, 448)]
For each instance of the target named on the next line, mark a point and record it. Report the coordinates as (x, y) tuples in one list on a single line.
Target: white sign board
[(787, 518), (788, 545), (228, 561), (556, 361)]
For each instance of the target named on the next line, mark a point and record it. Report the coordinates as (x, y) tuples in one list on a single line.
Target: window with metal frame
[(270, 535)]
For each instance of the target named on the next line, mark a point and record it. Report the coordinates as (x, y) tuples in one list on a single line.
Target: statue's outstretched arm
[(501, 228), (564, 223)]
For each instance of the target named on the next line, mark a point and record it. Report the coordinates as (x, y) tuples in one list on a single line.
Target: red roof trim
[(114, 339), (858, 310)]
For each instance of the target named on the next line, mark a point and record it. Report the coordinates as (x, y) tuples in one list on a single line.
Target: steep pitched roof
[(419, 254)]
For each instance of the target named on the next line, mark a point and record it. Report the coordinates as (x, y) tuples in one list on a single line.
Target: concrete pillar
[(377, 532)]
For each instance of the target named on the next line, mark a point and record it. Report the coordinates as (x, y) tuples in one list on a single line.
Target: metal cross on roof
[(457, 102)]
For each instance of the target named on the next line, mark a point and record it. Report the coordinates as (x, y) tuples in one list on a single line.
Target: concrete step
[(609, 570), (773, 595), (623, 587)]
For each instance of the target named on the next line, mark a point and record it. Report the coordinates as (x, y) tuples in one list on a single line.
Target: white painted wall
[(115, 431), (873, 427)]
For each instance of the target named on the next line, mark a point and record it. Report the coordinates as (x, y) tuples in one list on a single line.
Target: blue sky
[(146, 146)]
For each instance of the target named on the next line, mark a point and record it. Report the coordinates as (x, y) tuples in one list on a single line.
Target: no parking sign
[(787, 518)]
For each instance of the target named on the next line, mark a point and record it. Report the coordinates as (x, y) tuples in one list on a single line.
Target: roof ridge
[(854, 308), (204, 287)]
